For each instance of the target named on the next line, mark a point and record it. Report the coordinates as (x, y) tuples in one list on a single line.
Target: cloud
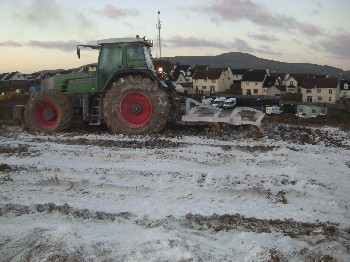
[(336, 45), (309, 29), (263, 37), (42, 16), (242, 46), (193, 42), (113, 12), (66, 46), (60, 45), (180, 41), (10, 43), (264, 49), (40, 13), (317, 7), (240, 10)]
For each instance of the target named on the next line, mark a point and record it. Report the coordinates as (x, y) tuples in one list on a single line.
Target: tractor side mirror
[(78, 52)]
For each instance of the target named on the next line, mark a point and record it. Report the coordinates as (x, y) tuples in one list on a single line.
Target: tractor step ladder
[(95, 113), (206, 113)]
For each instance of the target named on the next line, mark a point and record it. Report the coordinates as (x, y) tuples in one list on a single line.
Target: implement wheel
[(136, 105), (49, 111)]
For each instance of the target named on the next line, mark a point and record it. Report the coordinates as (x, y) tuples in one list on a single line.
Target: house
[(87, 68), (186, 88), (294, 81), (14, 76), (182, 73), (320, 90), (344, 87), (276, 90), (212, 80), (238, 74), (3, 76), (252, 82)]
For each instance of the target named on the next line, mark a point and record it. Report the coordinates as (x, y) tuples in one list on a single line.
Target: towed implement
[(125, 93)]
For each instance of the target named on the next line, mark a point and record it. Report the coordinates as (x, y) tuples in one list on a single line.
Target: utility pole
[(159, 26)]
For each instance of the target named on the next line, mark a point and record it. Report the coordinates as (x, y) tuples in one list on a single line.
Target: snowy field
[(94, 196)]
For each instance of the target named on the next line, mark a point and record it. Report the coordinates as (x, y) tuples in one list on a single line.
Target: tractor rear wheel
[(49, 111), (136, 105)]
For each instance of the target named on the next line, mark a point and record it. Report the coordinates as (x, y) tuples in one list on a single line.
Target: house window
[(256, 91), (346, 86), (330, 91), (248, 92), (256, 83), (213, 80), (204, 87), (330, 99), (308, 91), (318, 90), (291, 83), (319, 98)]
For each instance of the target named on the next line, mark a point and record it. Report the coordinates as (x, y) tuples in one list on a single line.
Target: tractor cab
[(121, 55)]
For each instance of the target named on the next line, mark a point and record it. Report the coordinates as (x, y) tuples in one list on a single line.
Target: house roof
[(201, 67), (10, 75), (239, 72), (254, 76), (187, 85), (208, 74), (269, 81), (182, 68), (310, 83), (3, 75), (278, 75), (281, 88), (300, 76)]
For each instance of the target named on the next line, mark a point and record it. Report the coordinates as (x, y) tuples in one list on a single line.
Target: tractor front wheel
[(49, 111), (136, 105)]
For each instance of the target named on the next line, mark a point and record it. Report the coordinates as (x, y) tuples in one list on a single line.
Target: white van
[(229, 103), (273, 110), (218, 102)]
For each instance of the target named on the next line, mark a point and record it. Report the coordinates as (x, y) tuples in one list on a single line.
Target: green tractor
[(125, 93)]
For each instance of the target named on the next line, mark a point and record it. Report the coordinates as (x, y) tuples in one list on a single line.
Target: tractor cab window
[(135, 55), (111, 57), (148, 57)]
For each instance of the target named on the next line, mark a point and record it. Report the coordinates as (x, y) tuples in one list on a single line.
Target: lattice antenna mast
[(159, 26)]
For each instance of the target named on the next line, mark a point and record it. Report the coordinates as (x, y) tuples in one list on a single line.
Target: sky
[(42, 34)]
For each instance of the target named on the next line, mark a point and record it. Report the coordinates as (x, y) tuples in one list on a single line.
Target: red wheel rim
[(133, 109), (46, 115)]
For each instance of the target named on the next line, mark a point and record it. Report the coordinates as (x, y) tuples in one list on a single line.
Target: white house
[(253, 81), (212, 80), (320, 90)]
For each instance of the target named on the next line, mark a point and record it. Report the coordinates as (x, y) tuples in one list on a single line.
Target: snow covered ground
[(101, 197)]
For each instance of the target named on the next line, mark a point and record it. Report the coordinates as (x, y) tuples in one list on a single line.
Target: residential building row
[(217, 81)]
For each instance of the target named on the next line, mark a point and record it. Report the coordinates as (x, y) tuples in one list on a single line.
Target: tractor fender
[(145, 72)]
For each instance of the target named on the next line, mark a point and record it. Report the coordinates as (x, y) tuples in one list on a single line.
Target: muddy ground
[(315, 239)]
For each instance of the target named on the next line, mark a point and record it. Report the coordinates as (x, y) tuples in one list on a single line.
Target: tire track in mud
[(318, 236), (215, 222)]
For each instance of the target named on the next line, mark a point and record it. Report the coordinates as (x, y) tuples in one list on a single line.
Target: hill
[(244, 60)]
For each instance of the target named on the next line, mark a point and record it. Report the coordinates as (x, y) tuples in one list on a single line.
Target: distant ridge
[(238, 60)]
